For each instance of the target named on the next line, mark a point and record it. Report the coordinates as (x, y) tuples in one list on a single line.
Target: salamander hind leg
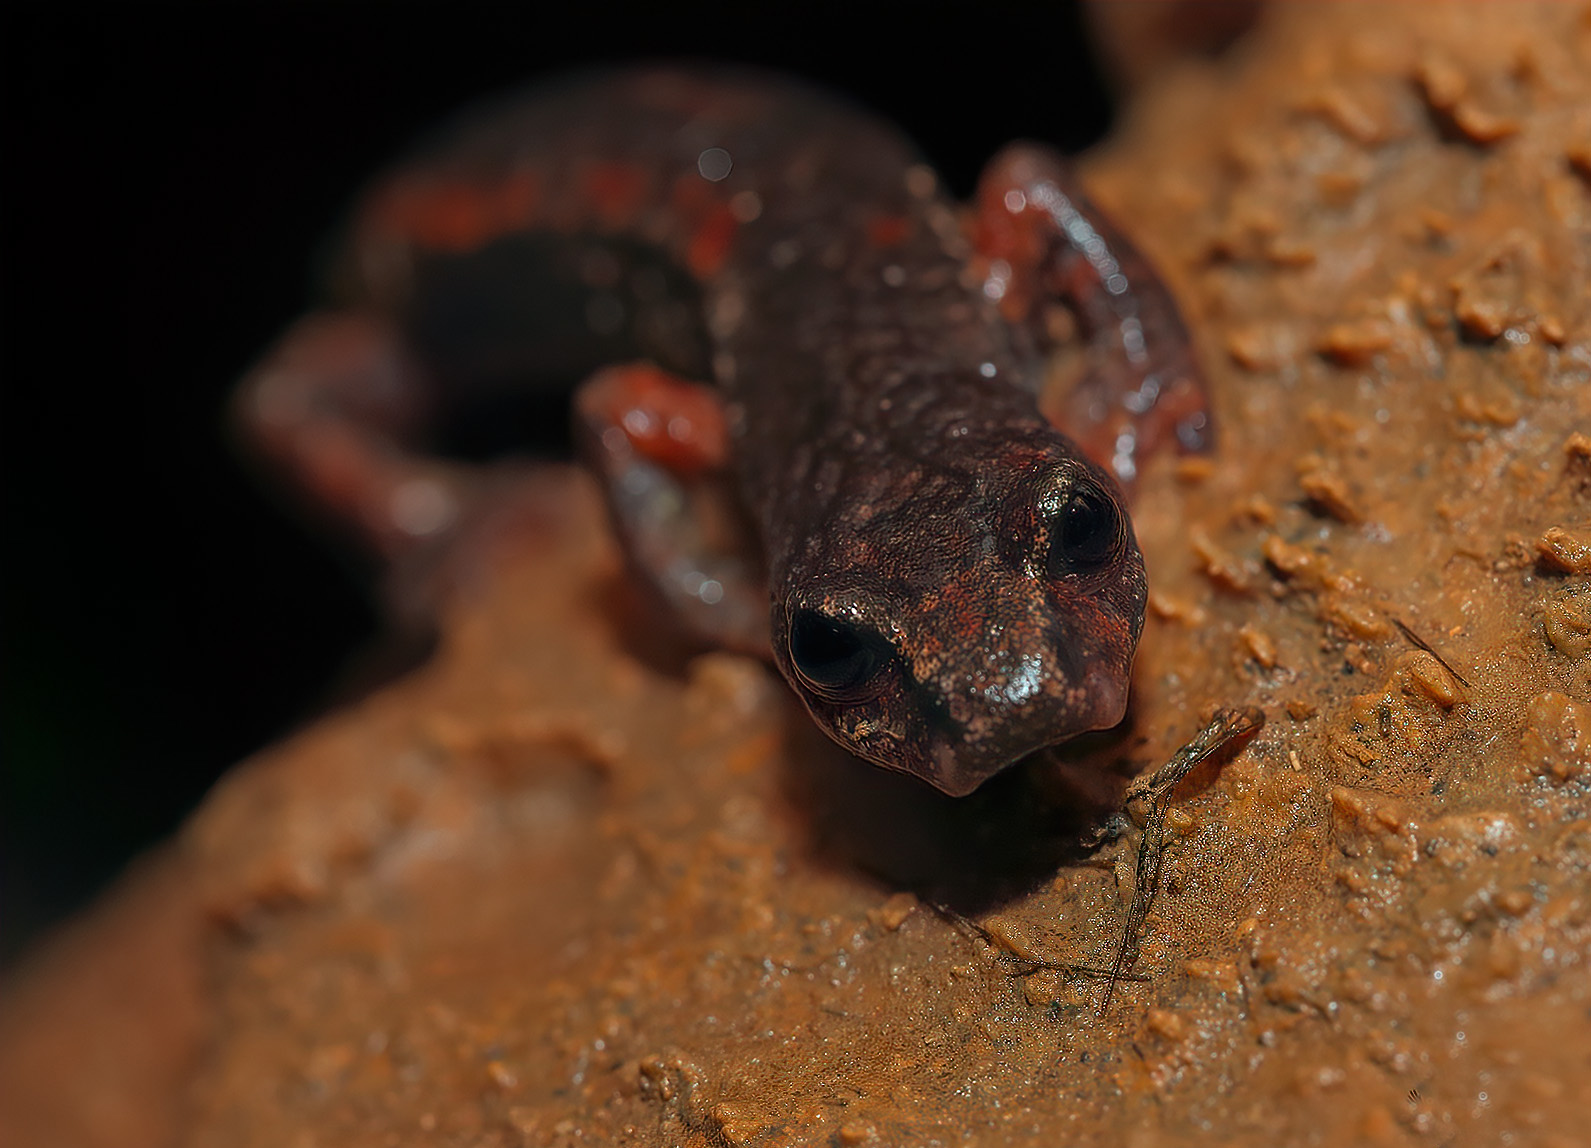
[(332, 408), (660, 444), (1047, 254), (340, 410)]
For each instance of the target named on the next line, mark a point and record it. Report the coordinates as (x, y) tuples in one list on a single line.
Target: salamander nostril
[(837, 659)]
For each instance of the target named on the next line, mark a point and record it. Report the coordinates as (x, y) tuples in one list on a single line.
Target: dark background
[(168, 175)]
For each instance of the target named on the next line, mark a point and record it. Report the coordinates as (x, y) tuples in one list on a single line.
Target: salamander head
[(987, 615)]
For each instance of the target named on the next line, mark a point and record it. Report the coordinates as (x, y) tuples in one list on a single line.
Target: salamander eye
[(1086, 531), (839, 660)]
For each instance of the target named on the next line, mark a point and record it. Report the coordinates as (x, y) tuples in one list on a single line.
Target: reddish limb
[(331, 407), (660, 444), (675, 424), (1041, 243), (336, 405)]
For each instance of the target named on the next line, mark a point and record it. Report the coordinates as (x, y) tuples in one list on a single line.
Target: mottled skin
[(953, 584)]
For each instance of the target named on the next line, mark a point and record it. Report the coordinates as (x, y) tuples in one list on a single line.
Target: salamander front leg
[(1042, 244), (660, 444)]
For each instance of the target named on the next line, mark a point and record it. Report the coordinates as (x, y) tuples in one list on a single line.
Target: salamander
[(817, 411)]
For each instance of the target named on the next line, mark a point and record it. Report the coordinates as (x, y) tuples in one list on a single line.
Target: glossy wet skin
[(951, 585)]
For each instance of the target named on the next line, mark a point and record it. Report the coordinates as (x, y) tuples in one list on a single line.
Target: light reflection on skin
[(1026, 681)]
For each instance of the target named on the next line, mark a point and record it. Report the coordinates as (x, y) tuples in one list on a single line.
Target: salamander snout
[(986, 635)]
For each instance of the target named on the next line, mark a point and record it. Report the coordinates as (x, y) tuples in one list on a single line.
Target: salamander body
[(834, 452)]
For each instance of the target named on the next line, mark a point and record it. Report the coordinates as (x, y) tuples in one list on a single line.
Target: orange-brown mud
[(550, 890)]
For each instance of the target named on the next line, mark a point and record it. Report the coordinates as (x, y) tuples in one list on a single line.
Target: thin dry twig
[(1224, 729), (1021, 966), (1420, 643)]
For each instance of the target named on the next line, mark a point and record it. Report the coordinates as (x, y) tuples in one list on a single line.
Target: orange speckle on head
[(962, 610)]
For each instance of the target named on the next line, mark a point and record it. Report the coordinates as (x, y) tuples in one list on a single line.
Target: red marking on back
[(711, 241), (455, 215), (615, 191), (706, 223), (518, 200), (888, 230)]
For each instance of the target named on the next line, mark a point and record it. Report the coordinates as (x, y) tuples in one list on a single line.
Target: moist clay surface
[(554, 888)]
